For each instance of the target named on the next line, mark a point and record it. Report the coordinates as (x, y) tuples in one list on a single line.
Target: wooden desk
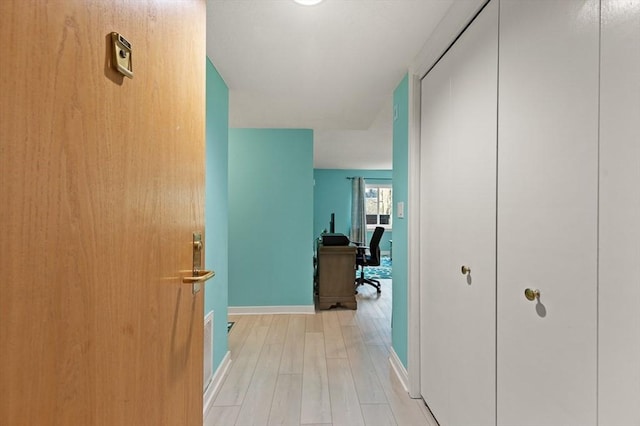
[(336, 276)]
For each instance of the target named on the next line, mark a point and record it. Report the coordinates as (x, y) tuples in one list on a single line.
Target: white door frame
[(413, 235), (459, 15)]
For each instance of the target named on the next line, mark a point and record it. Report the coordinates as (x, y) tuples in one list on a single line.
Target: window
[(377, 204)]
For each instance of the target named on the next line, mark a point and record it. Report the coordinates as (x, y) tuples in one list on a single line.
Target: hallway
[(330, 368)]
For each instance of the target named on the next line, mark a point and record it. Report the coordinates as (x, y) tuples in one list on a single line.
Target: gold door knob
[(465, 270), (532, 294)]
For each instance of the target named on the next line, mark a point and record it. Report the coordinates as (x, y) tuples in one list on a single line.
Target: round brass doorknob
[(532, 294), (465, 270)]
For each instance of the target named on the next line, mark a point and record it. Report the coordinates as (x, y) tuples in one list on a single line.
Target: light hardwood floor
[(331, 368)]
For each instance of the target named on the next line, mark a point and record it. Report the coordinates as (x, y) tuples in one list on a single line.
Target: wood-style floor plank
[(406, 411), (278, 330), (347, 316), (364, 373), (286, 405), (331, 368), (314, 323), (265, 320), (239, 332), (369, 331), (293, 354), (222, 416), (333, 340), (316, 404), (383, 327), (257, 402), (237, 382), (345, 406), (378, 415)]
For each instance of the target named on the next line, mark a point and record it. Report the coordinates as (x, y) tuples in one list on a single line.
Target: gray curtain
[(358, 217)]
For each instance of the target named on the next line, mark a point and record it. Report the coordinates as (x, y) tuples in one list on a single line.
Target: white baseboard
[(262, 310), (399, 369), (216, 382), (403, 376)]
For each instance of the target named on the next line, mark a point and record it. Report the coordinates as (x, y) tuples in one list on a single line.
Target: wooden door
[(101, 182), (619, 224), (547, 212), (458, 208)]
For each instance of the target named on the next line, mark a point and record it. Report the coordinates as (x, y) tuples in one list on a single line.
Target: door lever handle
[(200, 278), (197, 278)]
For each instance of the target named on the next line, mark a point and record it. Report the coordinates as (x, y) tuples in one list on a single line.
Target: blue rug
[(382, 272)]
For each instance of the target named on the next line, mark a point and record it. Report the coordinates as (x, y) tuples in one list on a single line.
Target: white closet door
[(619, 294), (547, 212), (458, 184)]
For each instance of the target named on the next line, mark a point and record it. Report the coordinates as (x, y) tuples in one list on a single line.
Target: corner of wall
[(400, 301), (216, 204)]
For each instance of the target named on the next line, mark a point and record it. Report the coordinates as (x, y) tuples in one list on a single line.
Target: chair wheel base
[(371, 282)]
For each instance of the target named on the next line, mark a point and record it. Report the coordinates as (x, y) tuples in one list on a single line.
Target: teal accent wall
[(332, 194), (400, 304), (270, 217), (216, 208)]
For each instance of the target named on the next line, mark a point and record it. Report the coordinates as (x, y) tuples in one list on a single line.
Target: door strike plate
[(197, 259), (121, 57)]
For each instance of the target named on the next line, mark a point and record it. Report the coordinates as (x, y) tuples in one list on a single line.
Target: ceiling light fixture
[(307, 2)]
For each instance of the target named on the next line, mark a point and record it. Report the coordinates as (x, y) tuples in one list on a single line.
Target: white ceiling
[(330, 67)]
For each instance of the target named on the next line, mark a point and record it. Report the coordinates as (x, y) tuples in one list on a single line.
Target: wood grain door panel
[(102, 184)]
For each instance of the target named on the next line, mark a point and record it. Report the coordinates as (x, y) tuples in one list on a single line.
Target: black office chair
[(372, 259)]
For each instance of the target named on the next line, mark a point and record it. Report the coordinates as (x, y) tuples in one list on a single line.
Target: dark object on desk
[(372, 259), (335, 240)]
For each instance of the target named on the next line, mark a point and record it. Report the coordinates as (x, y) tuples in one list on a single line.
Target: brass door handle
[(200, 278), (465, 270), (532, 294)]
